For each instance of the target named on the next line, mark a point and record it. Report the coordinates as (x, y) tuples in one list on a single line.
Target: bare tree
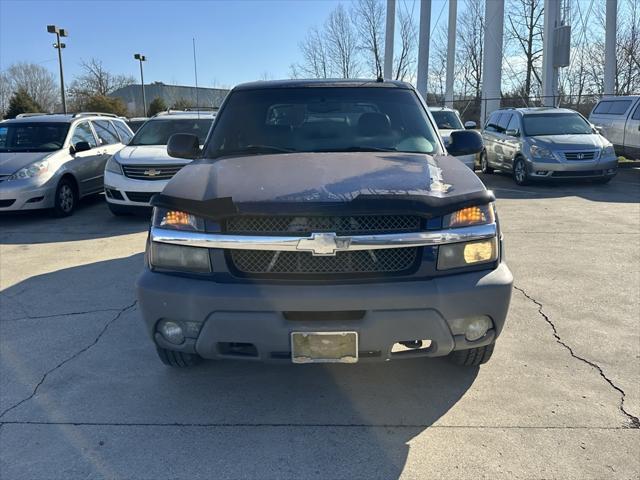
[(5, 93), (315, 58), (39, 83), (525, 25), (438, 64), (405, 60), (369, 18), (96, 80), (342, 43), (471, 43)]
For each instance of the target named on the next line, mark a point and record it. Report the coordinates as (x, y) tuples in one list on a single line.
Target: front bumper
[(258, 314), (564, 169), (26, 195), (121, 190)]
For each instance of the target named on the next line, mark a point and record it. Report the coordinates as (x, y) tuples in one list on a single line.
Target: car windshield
[(322, 119), (447, 120), (157, 132), (555, 124), (32, 137)]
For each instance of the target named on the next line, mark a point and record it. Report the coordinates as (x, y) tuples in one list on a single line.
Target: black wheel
[(178, 359), (520, 174), (118, 210), (484, 163), (473, 356), (66, 198)]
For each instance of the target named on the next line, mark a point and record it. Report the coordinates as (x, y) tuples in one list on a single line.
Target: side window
[(492, 123), (514, 124), (602, 107), (83, 133), (106, 132), (619, 107), (503, 122), (636, 114), (123, 131)]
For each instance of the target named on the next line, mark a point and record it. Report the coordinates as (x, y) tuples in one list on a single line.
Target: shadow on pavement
[(240, 418), (623, 188), (92, 220)]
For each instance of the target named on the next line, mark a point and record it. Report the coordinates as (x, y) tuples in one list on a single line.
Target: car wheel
[(118, 210), (484, 163), (473, 356), (520, 174), (66, 198), (178, 359)]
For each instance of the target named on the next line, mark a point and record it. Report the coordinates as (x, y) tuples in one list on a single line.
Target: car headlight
[(466, 217), (608, 151), (457, 255), (34, 170), (177, 220), (113, 166), (541, 152)]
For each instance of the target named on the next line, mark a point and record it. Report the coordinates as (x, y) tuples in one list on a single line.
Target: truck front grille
[(151, 172), (269, 264)]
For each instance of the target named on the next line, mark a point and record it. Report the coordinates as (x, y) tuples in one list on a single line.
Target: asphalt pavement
[(83, 396)]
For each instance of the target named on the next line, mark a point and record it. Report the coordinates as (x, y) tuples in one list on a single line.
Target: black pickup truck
[(324, 221)]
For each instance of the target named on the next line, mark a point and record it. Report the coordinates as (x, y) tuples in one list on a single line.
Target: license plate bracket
[(324, 347)]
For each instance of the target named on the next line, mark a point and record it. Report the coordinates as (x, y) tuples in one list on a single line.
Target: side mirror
[(465, 142), (512, 133), (470, 125), (183, 145), (596, 128), (80, 147)]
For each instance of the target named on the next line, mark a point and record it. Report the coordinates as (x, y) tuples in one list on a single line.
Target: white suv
[(448, 120), (143, 167), (53, 160)]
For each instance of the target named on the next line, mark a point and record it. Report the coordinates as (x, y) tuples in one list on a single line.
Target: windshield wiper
[(253, 150), (360, 148)]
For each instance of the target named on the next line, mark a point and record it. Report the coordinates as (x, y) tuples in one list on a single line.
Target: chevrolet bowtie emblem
[(323, 244), (152, 172)]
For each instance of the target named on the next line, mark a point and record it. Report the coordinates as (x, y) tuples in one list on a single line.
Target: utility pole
[(60, 32), (142, 58), (423, 47), (549, 71), (389, 38), (451, 53), (492, 58), (610, 48)]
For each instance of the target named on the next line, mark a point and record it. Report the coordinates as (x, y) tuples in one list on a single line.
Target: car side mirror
[(512, 133), (596, 129), (465, 142), (183, 145), (80, 147), (470, 125)]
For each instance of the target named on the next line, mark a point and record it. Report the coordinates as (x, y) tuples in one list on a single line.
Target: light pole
[(60, 32), (142, 58)]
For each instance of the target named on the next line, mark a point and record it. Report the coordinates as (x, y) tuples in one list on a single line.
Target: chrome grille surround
[(581, 155), (151, 172)]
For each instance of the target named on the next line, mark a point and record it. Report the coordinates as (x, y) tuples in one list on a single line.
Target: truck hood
[(320, 181), (11, 162), (146, 154), (570, 142)]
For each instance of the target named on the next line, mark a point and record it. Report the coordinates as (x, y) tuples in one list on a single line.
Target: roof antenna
[(195, 70)]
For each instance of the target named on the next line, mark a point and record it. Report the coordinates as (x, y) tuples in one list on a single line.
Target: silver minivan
[(546, 143), (51, 161), (618, 119)]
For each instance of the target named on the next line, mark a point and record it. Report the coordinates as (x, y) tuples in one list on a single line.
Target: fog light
[(541, 172), (172, 332), (477, 328)]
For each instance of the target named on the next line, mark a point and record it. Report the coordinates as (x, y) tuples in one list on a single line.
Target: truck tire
[(178, 359), (473, 356)]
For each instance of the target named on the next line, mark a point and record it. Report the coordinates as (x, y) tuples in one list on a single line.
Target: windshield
[(447, 120), (157, 132), (32, 137), (555, 124), (322, 119)]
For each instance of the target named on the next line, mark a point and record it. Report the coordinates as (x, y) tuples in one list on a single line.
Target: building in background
[(173, 95)]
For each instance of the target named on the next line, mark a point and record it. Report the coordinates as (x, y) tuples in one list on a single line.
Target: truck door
[(632, 134)]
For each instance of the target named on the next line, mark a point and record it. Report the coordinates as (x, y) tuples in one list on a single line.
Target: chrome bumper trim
[(321, 244)]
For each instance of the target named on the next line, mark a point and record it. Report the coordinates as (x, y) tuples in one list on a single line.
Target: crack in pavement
[(68, 359), (63, 314), (633, 421)]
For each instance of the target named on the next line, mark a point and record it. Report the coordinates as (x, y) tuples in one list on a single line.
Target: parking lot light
[(59, 32), (141, 58)]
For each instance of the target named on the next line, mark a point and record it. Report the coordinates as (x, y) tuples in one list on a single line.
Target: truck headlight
[(457, 255), (34, 170), (466, 217), (113, 166), (165, 256)]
